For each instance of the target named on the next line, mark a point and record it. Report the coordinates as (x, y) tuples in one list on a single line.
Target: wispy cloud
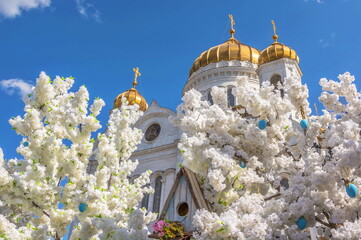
[(87, 10), (13, 8), (324, 43), (328, 42), (16, 86)]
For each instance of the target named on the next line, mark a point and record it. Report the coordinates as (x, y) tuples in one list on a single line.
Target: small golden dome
[(277, 51), (132, 95), (232, 49)]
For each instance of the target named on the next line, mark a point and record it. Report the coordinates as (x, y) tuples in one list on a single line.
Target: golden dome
[(277, 51), (132, 95), (232, 49)]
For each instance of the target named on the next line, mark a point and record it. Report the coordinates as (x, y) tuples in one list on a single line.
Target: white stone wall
[(161, 155), (285, 67), (168, 133), (223, 74)]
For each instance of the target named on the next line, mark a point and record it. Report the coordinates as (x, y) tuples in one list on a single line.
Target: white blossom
[(57, 144), (261, 182)]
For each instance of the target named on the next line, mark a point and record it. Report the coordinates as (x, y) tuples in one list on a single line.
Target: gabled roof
[(194, 187)]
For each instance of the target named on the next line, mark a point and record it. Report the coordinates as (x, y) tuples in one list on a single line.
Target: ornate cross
[(275, 37), (136, 75), (232, 21), (232, 31)]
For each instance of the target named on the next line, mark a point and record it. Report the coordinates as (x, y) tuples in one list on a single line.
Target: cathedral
[(177, 193)]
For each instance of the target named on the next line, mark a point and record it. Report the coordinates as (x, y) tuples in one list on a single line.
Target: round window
[(182, 209), (284, 183), (152, 132)]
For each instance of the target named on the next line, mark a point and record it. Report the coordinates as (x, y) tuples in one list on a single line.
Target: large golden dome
[(277, 51), (232, 49), (132, 95)]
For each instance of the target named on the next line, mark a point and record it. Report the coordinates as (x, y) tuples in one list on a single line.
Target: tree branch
[(59, 181), (330, 225), (273, 196), (36, 205)]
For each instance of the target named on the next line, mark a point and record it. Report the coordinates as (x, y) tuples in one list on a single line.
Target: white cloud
[(324, 43), (13, 8), (330, 41), (87, 10), (16, 85)]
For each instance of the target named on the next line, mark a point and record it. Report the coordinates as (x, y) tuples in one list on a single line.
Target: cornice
[(220, 67), (155, 149), (149, 116)]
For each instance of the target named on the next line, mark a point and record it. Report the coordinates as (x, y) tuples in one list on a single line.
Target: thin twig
[(36, 205), (59, 181), (273, 196), (330, 225)]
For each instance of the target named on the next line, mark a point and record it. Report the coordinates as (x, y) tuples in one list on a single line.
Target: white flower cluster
[(268, 183), (57, 145)]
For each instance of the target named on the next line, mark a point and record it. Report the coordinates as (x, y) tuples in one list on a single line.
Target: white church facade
[(177, 193)]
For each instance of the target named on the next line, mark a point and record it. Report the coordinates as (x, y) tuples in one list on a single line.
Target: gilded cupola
[(132, 95), (232, 49), (277, 51)]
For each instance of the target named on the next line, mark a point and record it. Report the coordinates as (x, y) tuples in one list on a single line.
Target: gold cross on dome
[(275, 37), (232, 31), (232, 21), (136, 75)]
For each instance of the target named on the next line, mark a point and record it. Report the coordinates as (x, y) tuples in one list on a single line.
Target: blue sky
[(99, 42)]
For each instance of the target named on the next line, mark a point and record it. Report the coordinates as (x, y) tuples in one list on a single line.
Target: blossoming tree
[(269, 170), (57, 144)]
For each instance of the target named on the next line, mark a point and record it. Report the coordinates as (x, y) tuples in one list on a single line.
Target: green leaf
[(4, 236)]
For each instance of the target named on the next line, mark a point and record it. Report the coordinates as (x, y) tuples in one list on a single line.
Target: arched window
[(157, 194), (276, 80), (145, 200), (209, 98), (230, 97)]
